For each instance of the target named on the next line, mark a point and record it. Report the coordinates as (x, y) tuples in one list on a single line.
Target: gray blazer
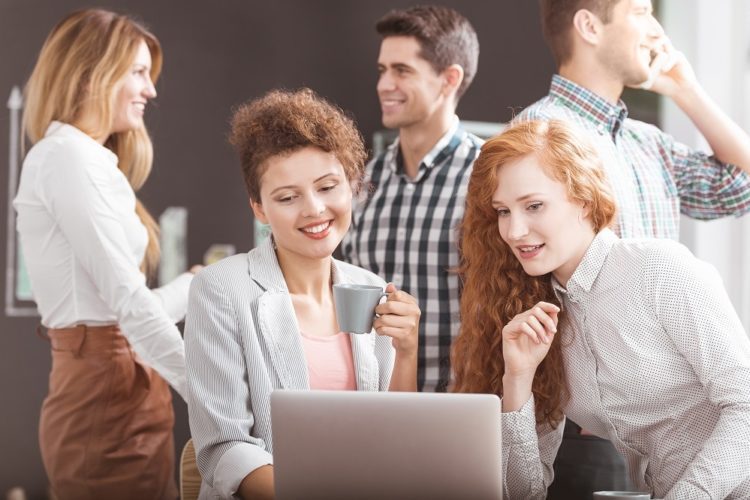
[(242, 341)]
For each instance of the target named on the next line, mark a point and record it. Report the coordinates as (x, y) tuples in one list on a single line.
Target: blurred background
[(219, 54)]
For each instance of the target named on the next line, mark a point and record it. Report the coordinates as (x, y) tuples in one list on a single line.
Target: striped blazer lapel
[(280, 332), (277, 323), (365, 363)]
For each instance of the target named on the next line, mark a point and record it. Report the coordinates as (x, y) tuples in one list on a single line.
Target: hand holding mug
[(399, 319)]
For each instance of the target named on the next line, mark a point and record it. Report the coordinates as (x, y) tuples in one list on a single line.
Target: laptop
[(386, 445)]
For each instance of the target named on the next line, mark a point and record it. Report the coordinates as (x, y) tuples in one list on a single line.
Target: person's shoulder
[(377, 161), (72, 158), (224, 273), (545, 108), (643, 130), (659, 258), (472, 141), (652, 247), (378, 158), (358, 275), (58, 149), (230, 264), (468, 149)]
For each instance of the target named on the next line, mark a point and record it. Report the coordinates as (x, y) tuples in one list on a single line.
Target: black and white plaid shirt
[(405, 231)]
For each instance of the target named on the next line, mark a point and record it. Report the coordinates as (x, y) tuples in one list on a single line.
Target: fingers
[(674, 58), (397, 302), (655, 68), (398, 318), (546, 313), (539, 323)]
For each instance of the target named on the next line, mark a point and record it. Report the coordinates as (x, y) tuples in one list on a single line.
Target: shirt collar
[(60, 129), (587, 271), (603, 114), (442, 148)]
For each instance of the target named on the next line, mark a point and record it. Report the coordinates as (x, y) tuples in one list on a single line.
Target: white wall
[(714, 36)]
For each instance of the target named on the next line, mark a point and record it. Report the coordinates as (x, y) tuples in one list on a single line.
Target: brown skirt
[(106, 424)]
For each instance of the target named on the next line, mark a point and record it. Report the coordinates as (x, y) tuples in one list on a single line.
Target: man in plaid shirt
[(404, 227), (602, 46), (601, 50)]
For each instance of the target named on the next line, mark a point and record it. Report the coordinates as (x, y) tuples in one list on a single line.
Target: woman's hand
[(527, 339), (399, 319)]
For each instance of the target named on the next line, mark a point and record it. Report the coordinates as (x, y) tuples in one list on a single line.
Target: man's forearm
[(728, 141)]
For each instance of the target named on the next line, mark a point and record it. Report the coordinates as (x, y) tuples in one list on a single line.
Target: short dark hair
[(557, 21), (282, 122), (445, 37)]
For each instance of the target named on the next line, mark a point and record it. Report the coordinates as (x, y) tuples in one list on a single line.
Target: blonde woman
[(106, 425)]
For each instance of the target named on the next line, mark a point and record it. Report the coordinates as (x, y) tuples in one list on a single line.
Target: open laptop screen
[(380, 445)]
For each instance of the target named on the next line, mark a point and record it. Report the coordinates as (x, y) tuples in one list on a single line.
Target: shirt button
[(600, 129), (410, 187)]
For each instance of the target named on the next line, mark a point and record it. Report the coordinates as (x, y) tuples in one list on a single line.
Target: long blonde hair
[(79, 67), (496, 288)]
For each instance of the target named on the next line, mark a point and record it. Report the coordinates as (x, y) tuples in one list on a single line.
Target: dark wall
[(217, 55)]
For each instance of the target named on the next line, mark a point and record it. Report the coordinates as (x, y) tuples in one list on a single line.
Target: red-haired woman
[(635, 340)]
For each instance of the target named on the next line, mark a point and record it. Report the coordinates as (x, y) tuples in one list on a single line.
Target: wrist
[(687, 95), (406, 355), (516, 392), (521, 380)]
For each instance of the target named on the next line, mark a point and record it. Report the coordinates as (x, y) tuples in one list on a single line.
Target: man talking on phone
[(601, 47)]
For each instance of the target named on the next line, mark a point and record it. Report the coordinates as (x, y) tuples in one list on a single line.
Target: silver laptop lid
[(381, 445)]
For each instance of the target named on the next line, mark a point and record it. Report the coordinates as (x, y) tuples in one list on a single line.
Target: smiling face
[(409, 88), (628, 39), (306, 199), (546, 231), (134, 91)]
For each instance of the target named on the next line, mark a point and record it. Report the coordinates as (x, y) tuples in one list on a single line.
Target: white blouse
[(83, 244), (657, 362)]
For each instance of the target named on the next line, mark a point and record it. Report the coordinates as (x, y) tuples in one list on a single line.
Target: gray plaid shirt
[(405, 231)]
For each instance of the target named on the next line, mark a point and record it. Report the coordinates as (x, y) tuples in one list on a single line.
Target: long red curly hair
[(495, 286)]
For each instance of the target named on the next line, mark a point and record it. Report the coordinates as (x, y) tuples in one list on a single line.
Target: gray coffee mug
[(621, 495), (355, 306)]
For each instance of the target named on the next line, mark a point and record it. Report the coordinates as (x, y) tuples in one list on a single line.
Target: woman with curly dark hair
[(636, 340), (266, 320)]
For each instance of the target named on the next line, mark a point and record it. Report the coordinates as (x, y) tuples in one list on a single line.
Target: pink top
[(330, 365)]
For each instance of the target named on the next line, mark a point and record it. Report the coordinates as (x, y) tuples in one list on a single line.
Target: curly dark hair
[(282, 122)]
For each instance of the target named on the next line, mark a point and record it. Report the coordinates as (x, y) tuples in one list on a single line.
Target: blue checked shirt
[(654, 177), (405, 231)]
